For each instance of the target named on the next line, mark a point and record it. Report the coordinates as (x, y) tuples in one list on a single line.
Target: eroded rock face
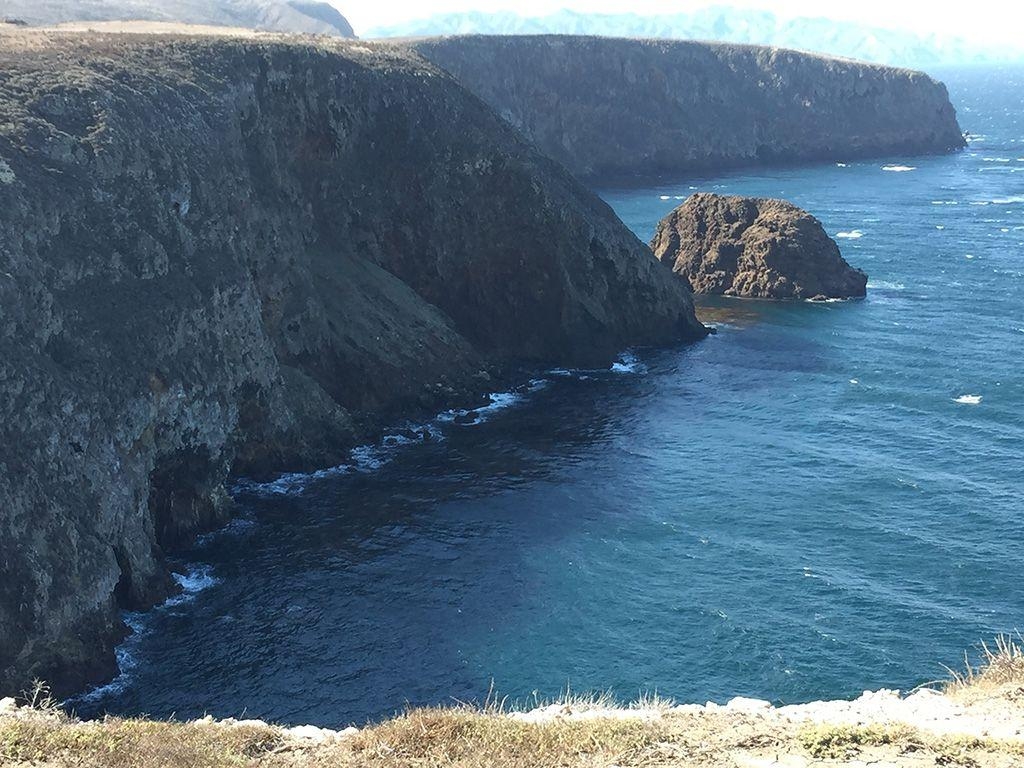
[(754, 247), (613, 109), (248, 254)]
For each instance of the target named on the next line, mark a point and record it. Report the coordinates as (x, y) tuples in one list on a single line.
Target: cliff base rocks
[(754, 248)]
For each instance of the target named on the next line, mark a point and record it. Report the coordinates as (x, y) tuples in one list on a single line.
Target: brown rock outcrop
[(755, 248)]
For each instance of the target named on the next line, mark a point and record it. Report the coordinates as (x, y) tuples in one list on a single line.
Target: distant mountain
[(305, 16), (886, 46)]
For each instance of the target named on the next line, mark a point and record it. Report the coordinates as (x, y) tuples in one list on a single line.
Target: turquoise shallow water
[(817, 500)]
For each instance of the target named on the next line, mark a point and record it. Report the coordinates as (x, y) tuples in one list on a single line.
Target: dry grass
[(116, 743), (463, 738), (1000, 673), (587, 736)]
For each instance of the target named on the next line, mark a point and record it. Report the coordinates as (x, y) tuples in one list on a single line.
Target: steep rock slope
[(230, 252), (755, 248), (302, 16), (613, 108)]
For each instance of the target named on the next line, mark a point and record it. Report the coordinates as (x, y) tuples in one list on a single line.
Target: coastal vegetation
[(954, 724)]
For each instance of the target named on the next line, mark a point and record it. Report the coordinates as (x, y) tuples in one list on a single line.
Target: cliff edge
[(613, 109), (243, 254)]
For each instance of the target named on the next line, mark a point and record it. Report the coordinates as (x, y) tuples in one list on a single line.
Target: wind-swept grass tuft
[(1001, 670)]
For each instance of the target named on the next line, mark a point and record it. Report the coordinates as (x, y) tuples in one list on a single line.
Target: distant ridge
[(299, 16), (613, 110), (734, 25)]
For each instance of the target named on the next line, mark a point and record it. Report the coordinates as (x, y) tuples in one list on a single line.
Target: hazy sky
[(1000, 21)]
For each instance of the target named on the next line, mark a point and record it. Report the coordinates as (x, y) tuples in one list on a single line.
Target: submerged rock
[(244, 254), (756, 248)]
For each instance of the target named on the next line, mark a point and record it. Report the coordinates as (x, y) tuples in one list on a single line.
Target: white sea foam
[(664, 197), (290, 482), (854, 381), (968, 255), (1010, 200), (886, 285), (841, 165), (126, 662), (996, 159), (192, 582), (945, 202), (939, 226), (968, 399), (853, 234), (899, 168), (196, 578), (627, 363), (499, 401)]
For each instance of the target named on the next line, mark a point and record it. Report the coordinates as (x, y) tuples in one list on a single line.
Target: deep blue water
[(797, 507)]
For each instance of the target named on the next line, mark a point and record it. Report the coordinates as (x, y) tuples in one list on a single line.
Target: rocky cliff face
[(610, 109), (755, 248), (240, 254), (302, 16)]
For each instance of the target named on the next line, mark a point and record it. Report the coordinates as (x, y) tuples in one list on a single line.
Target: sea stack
[(755, 248)]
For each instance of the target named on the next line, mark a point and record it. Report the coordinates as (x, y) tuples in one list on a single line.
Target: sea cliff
[(239, 255), (614, 109)]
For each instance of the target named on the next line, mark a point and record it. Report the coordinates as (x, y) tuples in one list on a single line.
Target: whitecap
[(841, 165), (1007, 200), (945, 202), (886, 284), (854, 381), (664, 197), (899, 168), (968, 399), (996, 159), (968, 255), (853, 234), (939, 226)]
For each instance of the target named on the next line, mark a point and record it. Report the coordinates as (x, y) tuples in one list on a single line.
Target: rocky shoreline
[(242, 255), (248, 253)]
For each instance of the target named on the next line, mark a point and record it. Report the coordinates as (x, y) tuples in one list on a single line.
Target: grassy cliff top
[(976, 719)]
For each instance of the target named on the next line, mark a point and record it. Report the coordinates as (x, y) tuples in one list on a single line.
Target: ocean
[(817, 500)]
